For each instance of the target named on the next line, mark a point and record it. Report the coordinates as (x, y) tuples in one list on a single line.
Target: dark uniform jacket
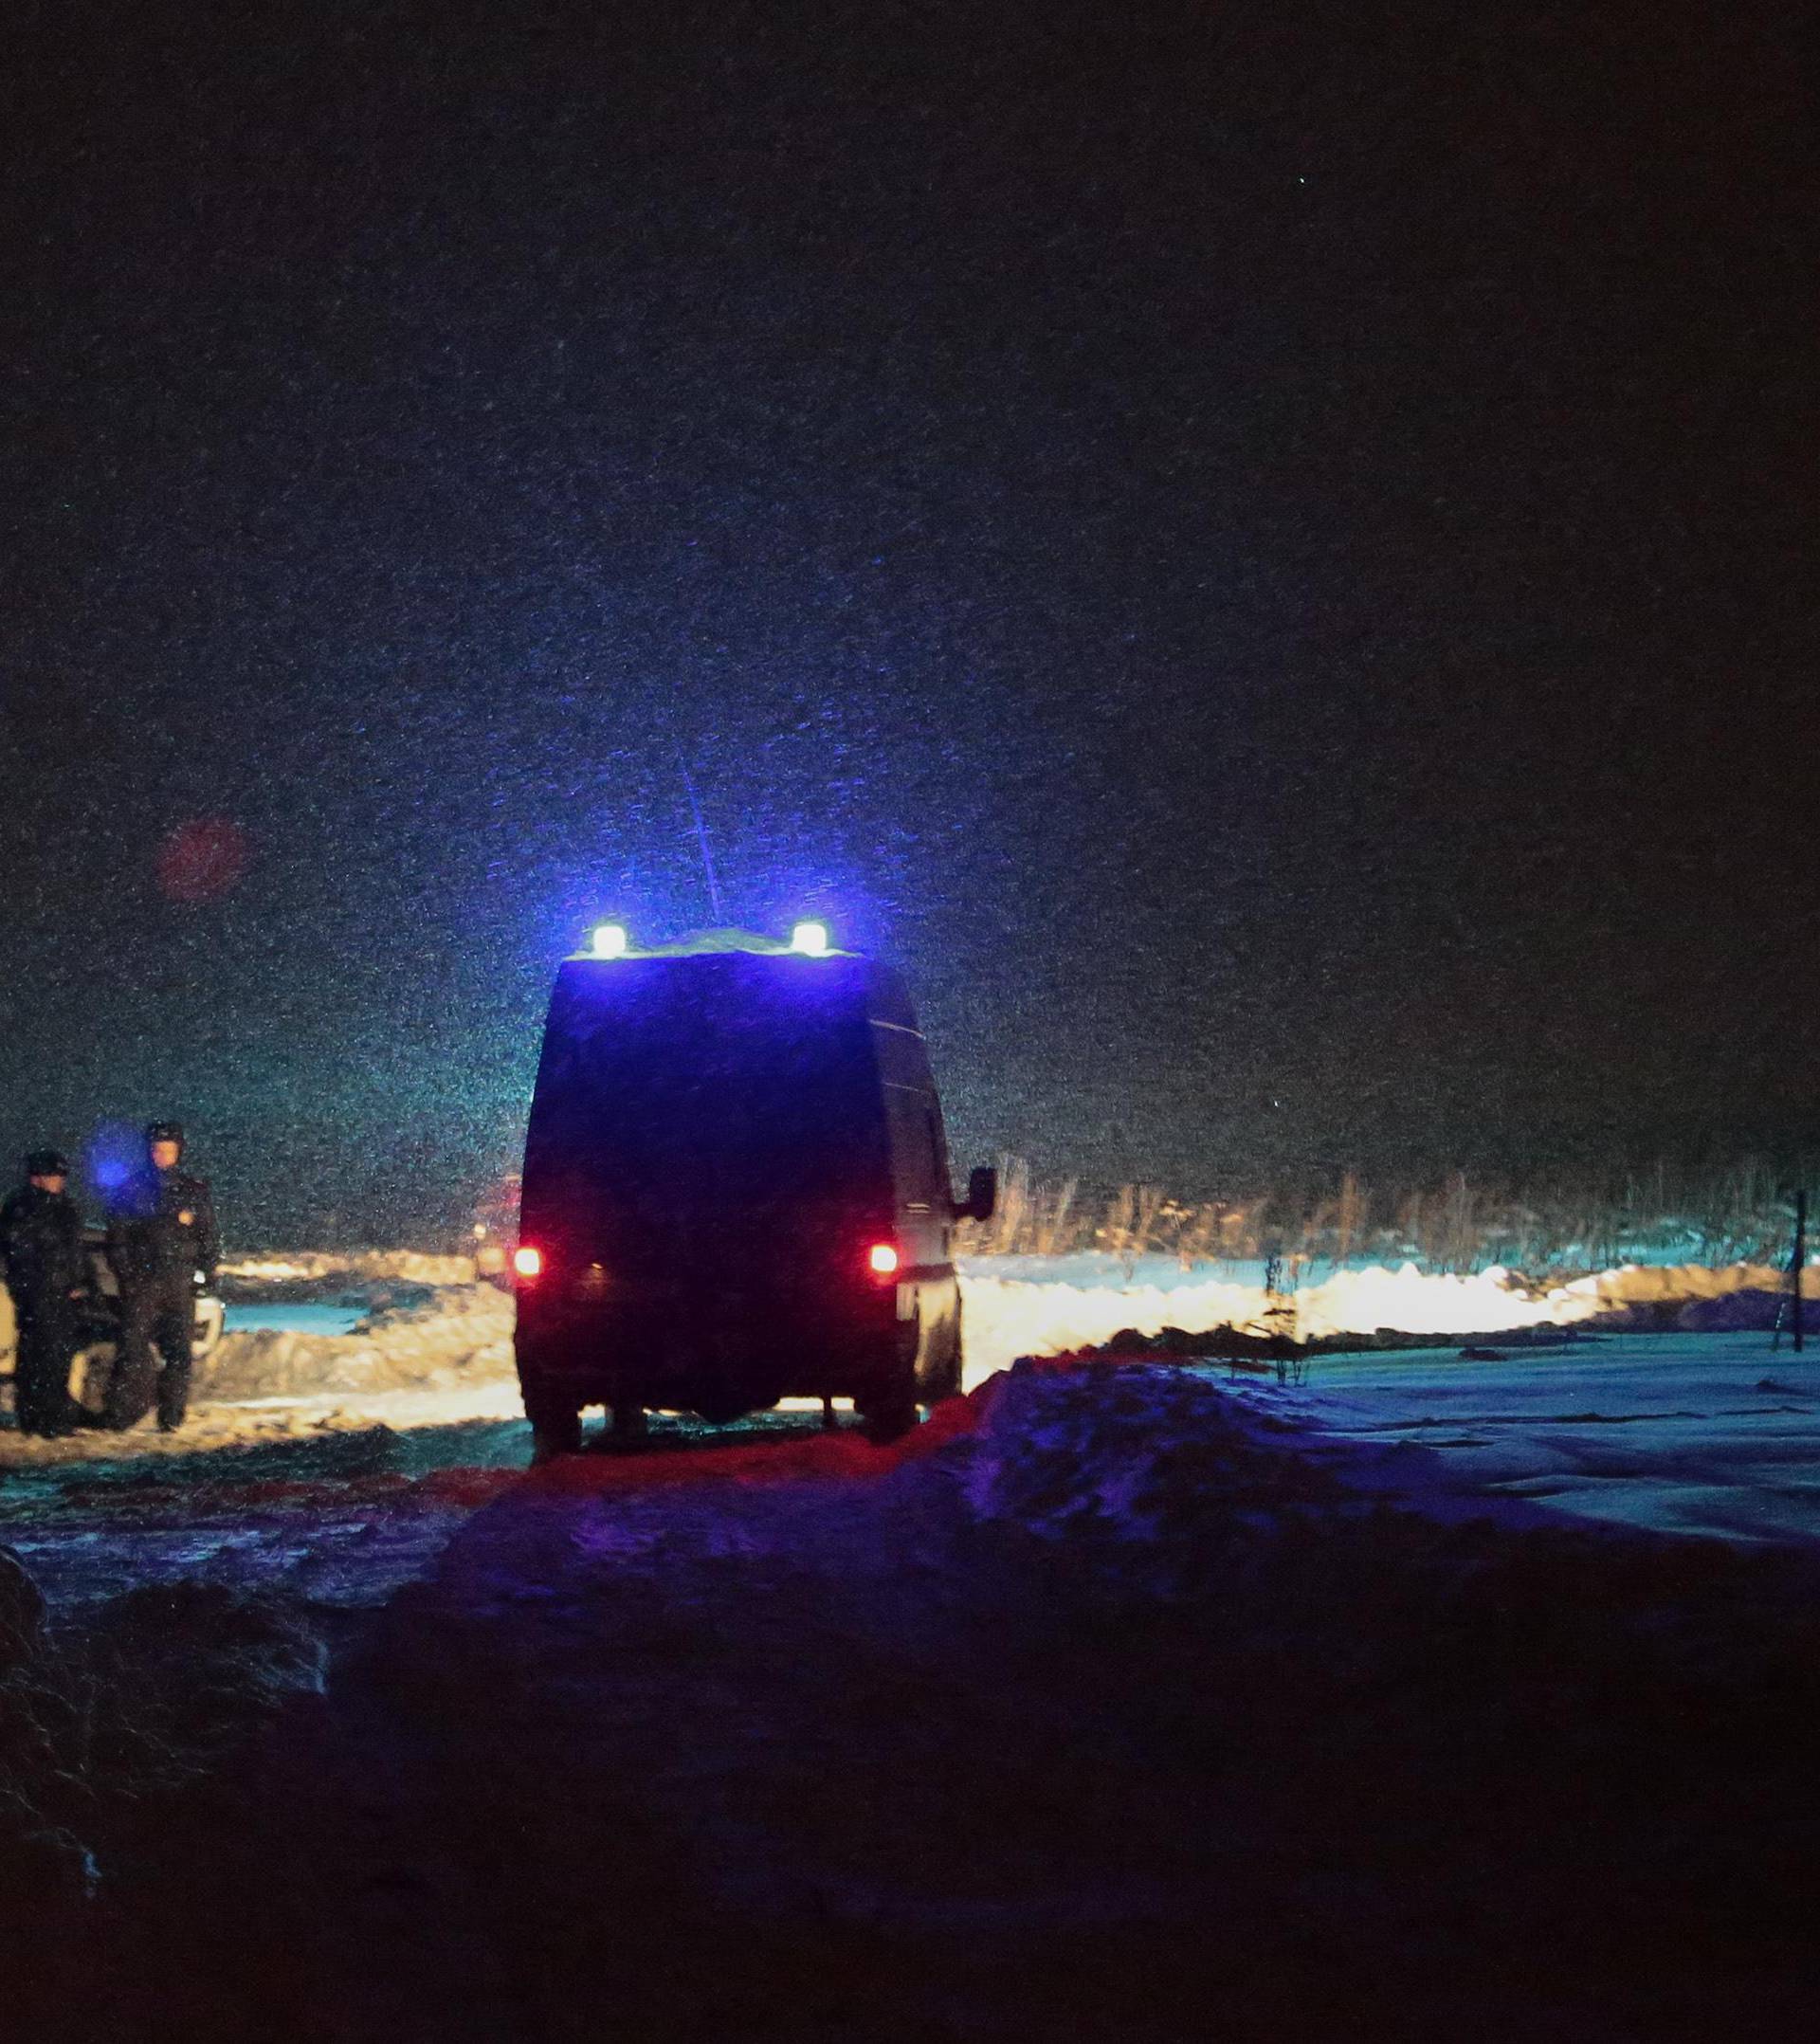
[(41, 1240), (162, 1224)]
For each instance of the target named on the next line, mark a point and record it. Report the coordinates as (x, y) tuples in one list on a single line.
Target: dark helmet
[(164, 1132), (47, 1164)]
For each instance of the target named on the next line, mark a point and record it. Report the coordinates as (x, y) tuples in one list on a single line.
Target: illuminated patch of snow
[(413, 1265), (444, 1340), (1012, 1317), (494, 1397), (1665, 1284), (431, 1337)]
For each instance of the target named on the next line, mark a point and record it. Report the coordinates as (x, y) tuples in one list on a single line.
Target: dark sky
[(1263, 554)]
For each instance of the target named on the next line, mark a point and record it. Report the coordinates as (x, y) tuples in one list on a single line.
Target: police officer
[(161, 1239), (41, 1237)]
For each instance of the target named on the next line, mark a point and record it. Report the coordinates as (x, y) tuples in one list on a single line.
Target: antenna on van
[(701, 834)]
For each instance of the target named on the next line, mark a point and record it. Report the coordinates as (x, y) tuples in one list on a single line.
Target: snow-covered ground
[(1666, 1426), (358, 1336), (375, 1323), (1030, 1306), (1110, 1705), (1709, 1435), (340, 1438), (1652, 1414), (1137, 1701)]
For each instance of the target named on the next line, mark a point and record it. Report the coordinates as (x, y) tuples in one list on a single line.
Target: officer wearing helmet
[(40, 1238), (161, 1242)]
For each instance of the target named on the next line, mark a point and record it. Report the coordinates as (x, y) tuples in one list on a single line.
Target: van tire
[(890, 1412), (556, 1428)]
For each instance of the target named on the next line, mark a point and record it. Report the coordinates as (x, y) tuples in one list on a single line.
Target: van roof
[(826, 980), (712, 943)]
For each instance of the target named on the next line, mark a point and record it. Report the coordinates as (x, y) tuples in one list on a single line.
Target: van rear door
[(722, 1106)]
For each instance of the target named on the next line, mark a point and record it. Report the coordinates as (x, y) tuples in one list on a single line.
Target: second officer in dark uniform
[(40, 1238), (160, 1238)]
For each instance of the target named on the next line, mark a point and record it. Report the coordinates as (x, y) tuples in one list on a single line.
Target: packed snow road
[(334, 1505)]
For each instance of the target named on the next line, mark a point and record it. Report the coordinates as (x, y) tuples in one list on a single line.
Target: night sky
[(1262, 554)]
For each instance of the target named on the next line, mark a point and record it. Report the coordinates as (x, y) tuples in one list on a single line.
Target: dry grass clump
[(131, 1704)]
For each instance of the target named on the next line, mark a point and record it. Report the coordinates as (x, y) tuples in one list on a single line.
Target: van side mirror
[(982, 1195)]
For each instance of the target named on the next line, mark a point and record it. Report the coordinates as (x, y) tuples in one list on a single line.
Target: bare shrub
[(1013, 1203), (1051, 1232), (1353, 1218), (1113, 1233)]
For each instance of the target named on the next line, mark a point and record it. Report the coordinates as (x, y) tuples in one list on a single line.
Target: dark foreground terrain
[(1100, 1709)]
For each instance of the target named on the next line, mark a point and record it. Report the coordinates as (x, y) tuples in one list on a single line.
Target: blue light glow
[(115, 1150), (609, 940), (810, 938)]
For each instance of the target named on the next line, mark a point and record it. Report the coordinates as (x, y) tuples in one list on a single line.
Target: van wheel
[(556, 1428), (890, 1412), (626, 1425)]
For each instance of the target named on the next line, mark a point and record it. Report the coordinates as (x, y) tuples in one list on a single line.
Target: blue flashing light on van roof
[(807, 939)]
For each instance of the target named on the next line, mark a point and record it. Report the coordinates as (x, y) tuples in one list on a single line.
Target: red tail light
[(528, 1264), (882, 1260)]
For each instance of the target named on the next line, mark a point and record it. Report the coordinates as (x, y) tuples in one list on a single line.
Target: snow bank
[(1157, 1459), (356, 1265), (1008, 1318), (1012, 1317), (454, 1333), (1670, 1285)]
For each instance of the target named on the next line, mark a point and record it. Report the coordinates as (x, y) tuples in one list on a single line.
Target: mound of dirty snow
[(1160, 1462)]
